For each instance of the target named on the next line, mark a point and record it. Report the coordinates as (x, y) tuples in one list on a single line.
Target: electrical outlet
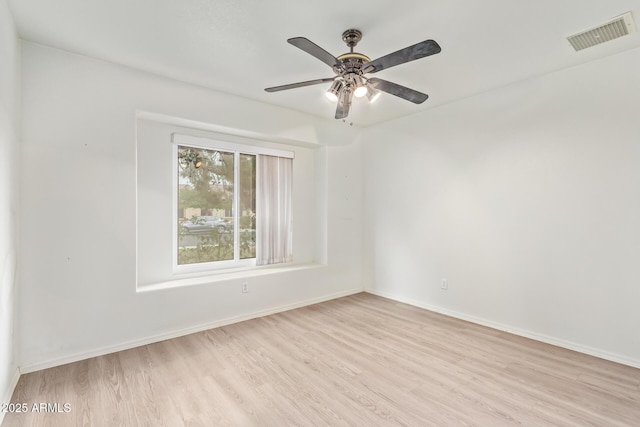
[(444, 284), (245, 287)]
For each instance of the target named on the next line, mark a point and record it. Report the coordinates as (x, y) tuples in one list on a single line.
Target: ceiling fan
[(351, 68)]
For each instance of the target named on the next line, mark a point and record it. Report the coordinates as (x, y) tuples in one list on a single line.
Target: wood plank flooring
[(355, 361)]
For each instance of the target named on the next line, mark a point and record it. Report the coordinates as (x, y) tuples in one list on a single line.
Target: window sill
[(227, 275)]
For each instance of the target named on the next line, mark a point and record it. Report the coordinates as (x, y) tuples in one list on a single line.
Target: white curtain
[(273, 210)]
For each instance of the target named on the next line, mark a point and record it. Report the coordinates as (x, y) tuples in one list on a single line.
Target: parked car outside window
[(206, 224)]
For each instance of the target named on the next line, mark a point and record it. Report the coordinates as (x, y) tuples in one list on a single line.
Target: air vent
[(617, 27)]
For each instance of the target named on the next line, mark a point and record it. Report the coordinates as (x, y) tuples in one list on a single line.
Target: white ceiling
[(239, 46)]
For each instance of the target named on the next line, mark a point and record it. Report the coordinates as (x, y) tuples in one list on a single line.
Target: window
[(221, 219)]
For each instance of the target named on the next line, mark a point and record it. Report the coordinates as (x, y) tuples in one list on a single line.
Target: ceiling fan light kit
[(350, 69), (334, 91), (373, 94)]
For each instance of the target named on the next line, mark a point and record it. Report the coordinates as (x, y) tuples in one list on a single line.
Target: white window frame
[(237, 149)]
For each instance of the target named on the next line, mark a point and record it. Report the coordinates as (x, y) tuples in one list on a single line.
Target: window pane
[(247, 206), (205, 201)]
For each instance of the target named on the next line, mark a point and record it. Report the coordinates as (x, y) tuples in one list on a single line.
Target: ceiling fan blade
[(313, 49), (411, 53), (344, 104), (300, 84), (398, 90)]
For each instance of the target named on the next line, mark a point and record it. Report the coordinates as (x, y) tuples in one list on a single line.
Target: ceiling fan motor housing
[(350, 65)]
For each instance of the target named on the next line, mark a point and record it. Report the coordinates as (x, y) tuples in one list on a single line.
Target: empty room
[(243, 213)]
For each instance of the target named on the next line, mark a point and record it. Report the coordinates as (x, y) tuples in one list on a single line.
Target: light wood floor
[(357, 361)]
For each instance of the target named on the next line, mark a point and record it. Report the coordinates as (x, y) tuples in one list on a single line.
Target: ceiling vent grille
[(617, 27)]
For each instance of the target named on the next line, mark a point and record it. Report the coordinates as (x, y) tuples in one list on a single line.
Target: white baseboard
[(602, 354), (6, 398), (32, 367)]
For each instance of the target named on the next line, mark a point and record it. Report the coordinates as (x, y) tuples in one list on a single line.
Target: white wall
[(9, 123), (526, 198), (78, 253)]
